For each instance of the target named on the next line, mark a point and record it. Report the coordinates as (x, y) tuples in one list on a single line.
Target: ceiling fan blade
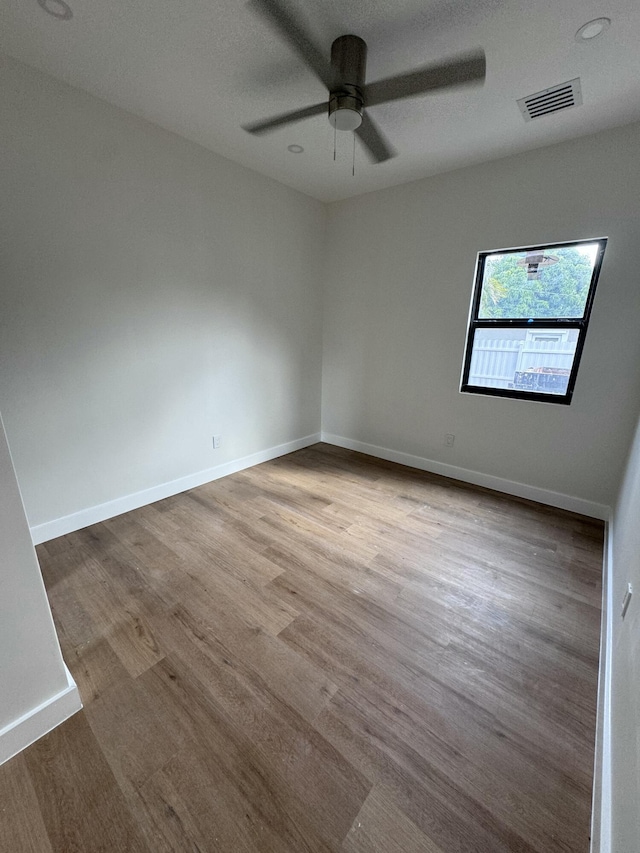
[(284, 22), (371, 137), (286, 118), (469, 68)]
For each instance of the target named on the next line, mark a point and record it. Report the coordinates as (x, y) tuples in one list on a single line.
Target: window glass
[(529, 318), (539, 283), (537, 361)]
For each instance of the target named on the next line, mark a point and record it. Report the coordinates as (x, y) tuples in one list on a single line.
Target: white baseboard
[(510, 487), (39, 721), (602, 790), (93, 515)]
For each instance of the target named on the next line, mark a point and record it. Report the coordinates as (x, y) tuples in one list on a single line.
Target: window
[(529, 318)]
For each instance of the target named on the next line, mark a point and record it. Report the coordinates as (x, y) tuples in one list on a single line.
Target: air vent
[(553, 100)]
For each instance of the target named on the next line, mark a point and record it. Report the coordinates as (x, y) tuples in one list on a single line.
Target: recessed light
[(593, 29), (295, 149), (57, 9)]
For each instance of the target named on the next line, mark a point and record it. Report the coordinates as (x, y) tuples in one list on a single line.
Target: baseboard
[(602, 790), (93, 515), (509, 487), (40, 720)]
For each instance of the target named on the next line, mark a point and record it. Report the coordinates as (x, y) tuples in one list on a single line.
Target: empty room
[(320, 426)]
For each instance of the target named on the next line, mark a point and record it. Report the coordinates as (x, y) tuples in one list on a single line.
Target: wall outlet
[(449, 439), (216, 441)]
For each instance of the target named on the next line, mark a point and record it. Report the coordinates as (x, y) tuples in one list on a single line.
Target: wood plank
[(82, 807), (94, 666), (134, 737), (382, 828), (21, 825)]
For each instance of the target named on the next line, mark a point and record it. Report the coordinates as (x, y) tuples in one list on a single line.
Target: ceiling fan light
[(345, 119), (345, 110)]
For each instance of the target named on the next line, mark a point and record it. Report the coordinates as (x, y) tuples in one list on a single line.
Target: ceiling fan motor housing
[(349, 63)]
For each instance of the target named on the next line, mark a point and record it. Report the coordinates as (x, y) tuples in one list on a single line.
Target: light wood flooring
[(322, 653)]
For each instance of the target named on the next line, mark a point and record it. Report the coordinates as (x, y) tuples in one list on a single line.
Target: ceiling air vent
[(553, 100)]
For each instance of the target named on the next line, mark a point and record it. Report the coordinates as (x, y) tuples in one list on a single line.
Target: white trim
[(93, 515), (510, 487), (39, 721), (602, 791)]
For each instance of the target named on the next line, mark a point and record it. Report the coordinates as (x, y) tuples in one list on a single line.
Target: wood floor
[(322, 653)]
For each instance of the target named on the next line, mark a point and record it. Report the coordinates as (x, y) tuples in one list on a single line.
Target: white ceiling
[(203, 68)]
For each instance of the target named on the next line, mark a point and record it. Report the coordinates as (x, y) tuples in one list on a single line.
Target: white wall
[(152, 294), (625, 653), (32, 673), (401, 266)]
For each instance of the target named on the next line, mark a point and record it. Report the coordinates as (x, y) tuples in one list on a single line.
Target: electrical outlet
[(449, 439), (216, 441)]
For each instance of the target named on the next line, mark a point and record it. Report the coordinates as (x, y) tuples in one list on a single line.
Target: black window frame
[(581, 324)]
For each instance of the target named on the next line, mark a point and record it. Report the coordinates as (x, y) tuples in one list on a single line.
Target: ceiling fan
[(344, 77)]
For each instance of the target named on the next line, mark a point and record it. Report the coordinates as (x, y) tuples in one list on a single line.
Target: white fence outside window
[(495, 362)]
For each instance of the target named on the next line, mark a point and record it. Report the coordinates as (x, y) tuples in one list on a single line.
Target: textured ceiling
[(202, 69)]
